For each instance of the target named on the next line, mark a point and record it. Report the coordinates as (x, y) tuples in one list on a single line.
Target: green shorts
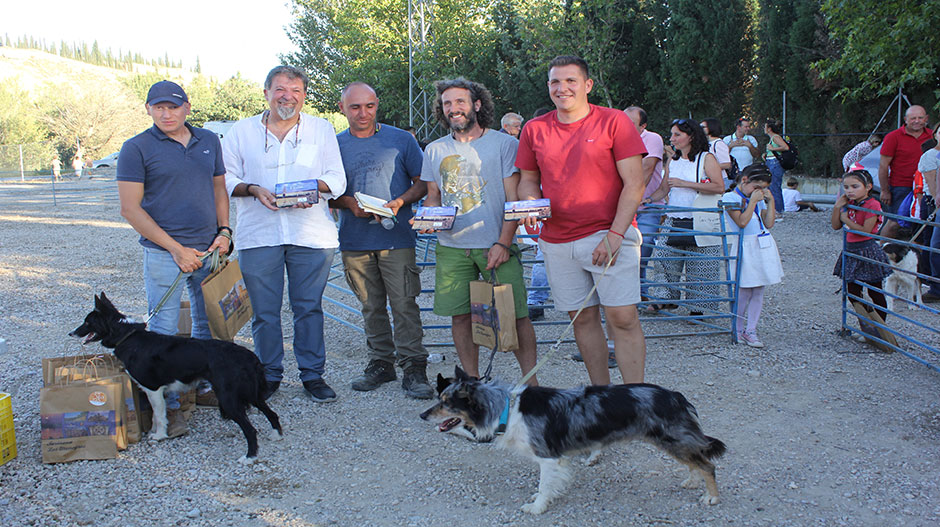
[(456, 268)]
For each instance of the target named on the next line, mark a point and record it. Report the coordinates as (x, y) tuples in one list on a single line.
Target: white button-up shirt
[(309, 151)]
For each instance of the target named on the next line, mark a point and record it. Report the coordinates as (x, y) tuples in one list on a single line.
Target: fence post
[(22, 174)]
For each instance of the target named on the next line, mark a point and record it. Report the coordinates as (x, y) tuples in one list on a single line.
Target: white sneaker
[(751, 340)]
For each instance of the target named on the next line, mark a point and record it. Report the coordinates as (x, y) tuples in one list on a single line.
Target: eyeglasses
[(264, 121), (681, 121)]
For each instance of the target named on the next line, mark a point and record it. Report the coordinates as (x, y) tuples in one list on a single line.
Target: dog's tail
[(715, 448)]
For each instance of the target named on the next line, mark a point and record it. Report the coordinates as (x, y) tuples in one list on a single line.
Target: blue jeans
[(538, 297), (307, 272), (648, 223), (159, 273), (897, 196), (776, 182)]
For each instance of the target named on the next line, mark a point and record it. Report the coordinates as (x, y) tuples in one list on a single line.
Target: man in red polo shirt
[(588, 161), (900, 153)]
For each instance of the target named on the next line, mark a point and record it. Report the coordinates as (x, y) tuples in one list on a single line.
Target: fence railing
[(914, 333)]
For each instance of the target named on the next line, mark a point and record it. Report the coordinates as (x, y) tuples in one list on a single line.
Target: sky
[(227, 36)]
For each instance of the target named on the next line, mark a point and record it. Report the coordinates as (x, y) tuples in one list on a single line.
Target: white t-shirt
[(684, 169), (742, 154), (790, 197), (930, 160)]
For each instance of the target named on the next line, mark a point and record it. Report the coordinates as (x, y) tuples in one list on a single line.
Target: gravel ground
[(821, 429)]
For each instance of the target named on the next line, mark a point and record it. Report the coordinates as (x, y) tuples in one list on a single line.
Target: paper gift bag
[(80, 421), (67, 370), (493, 316), (227, 305)]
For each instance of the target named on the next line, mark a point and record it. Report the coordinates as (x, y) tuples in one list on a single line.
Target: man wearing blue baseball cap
[(171, 183)]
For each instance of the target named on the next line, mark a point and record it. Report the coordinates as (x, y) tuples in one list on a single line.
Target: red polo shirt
[(904, 149)]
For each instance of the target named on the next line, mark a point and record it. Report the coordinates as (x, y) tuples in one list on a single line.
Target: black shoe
[(930, 298), (271, 387), (611, 359), (536, 313), (415, 383), (320, 391), (376, 373)]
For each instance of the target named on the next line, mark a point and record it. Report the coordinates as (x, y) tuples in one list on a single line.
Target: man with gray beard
[(278, 146)]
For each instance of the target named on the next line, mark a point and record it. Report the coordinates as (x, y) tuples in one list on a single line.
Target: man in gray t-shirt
[(472, 168)]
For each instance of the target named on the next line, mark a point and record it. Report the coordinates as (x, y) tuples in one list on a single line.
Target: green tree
[(881, 45)]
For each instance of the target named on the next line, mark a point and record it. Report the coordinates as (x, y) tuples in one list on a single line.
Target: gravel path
[(821, 430)]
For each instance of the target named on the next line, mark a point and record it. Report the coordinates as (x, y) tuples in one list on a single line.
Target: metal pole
[(900, 103), (411, 111), (22, 175), (784, 112)]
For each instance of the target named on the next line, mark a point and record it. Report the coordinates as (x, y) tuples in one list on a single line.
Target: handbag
[(679, 238), (705, 221)]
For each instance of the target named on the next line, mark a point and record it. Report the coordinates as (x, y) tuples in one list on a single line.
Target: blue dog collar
[(503, 418)]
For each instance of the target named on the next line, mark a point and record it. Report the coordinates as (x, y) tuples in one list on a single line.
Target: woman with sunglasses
[(691, 170)]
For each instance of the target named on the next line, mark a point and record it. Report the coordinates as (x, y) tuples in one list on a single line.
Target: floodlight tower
[(420, 42)]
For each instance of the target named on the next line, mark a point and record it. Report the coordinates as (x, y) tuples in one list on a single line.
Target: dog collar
[(129, 333), (504, 417)]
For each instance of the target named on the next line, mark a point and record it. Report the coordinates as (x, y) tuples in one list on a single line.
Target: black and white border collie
[(550, 425), (900, 283), (158, 363)]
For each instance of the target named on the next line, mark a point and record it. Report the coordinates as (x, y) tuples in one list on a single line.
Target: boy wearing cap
[(171, 183)]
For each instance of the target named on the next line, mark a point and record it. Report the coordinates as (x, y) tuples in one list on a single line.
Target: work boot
[(176, 423), (415, 382), (376, 373), (207, 399)]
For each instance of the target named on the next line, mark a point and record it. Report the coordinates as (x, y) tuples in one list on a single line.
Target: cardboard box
[(293, 192), (434, 218), (520, 210)]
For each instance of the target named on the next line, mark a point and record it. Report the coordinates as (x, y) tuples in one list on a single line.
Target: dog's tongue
[(448, 424), (88, 337)]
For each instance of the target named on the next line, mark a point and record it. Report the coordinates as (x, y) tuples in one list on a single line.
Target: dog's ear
[(460, 375), (442, 383), (99, 304)]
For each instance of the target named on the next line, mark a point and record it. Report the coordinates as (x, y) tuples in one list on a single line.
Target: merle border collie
[(159, 363), (549, 425), (902, 282)]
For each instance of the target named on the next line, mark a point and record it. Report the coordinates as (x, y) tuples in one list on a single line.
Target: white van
[(219, 127)]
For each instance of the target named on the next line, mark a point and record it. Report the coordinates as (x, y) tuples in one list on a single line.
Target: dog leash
[(215, 260)]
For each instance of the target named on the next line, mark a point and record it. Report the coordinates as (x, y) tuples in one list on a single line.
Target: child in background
[(857, 186), (760, 260), (793, 200)]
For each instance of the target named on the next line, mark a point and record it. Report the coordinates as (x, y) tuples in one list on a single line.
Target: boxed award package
[(434, 218), (534, 208), (293, 192)]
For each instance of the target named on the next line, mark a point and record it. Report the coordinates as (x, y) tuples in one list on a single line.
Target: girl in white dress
[(760, 261)]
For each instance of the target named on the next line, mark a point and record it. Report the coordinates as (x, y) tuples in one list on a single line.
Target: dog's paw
[(690, 483), (593, 458), (708, 499), (158, 436), (536, 507), (245, 460), (276, 435)]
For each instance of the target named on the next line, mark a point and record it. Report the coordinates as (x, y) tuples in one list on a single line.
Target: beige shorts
[(571, 274)]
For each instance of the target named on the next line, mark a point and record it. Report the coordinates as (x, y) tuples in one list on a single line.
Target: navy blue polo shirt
[(178, 190)]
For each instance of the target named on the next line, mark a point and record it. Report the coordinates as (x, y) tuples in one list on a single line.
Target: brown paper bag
[(227, 305), (484, 317), (67, 370), (184, 326), (80, 421)]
